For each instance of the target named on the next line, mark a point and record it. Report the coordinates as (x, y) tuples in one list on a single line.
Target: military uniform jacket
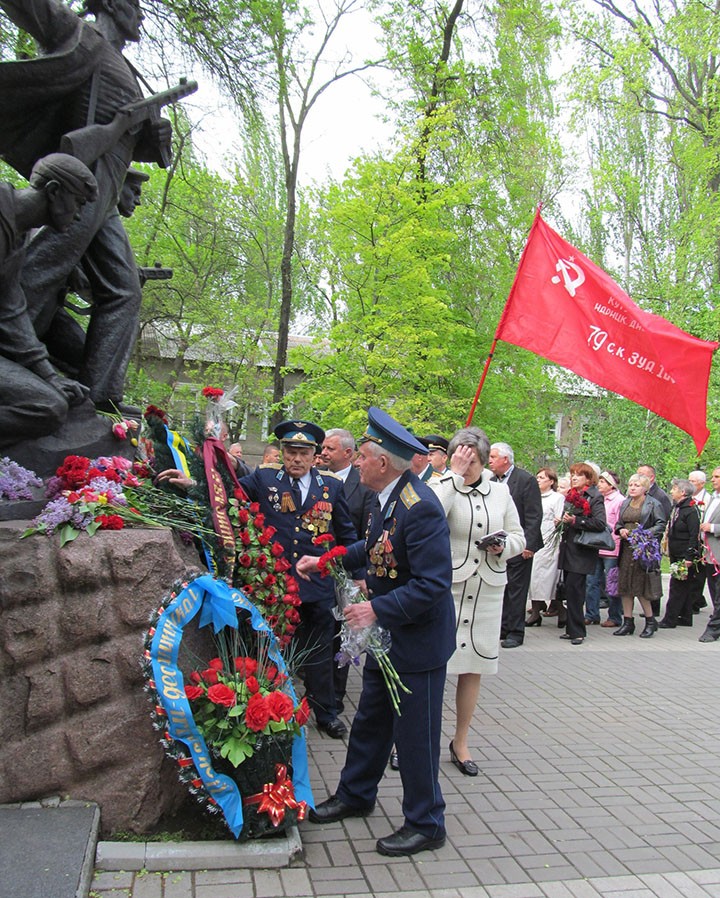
[(473, 512), (408, 569), (323, 511)]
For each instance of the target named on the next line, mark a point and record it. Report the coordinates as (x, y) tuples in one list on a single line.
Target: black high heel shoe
[(469, 768)]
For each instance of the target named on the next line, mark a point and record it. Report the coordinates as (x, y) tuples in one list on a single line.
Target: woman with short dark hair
[(584, 510)]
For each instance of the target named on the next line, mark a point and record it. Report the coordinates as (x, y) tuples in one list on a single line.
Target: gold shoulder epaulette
[(275, 465), (409, 497), (323, 473)]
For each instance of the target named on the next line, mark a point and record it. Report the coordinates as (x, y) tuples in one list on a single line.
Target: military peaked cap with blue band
[(386, 432), (299, 433)]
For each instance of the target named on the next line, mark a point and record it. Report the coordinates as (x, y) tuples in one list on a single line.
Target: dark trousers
[(680, 601), (575, 603), (713, 581), (416, 735), (519, 571), (698, 588), (314, 638)]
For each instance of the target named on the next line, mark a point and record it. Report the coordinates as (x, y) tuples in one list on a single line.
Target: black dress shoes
[(333, 809), (707, 637), (394, 763), (335, 729), (469, 768), (406, 841)]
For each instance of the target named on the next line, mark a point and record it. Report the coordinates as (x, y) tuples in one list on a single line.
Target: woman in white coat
[(475, 507)]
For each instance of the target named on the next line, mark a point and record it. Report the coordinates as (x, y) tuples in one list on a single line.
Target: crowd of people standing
[(449, 540)]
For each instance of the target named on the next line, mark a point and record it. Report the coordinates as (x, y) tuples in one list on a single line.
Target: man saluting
[(302, 502)]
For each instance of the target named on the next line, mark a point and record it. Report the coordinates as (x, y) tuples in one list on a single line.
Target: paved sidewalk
[(599, 777)]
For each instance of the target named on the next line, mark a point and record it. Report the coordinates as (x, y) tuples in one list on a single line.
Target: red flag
[(563, 307)]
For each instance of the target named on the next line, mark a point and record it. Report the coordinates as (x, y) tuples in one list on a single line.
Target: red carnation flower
[(323, 538), (247, 667), (302, 715), (220, 694), (257, 714), (152, 411), (193, 692), (280, 706), (212, 393), (110, 522)]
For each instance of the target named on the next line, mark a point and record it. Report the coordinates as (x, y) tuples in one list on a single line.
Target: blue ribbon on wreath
[(217, 603)]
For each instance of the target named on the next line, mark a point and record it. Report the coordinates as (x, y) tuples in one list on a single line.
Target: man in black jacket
[(525, 493)]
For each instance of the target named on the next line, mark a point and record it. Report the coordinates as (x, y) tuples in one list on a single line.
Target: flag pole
[(482, 381), (500, 324)]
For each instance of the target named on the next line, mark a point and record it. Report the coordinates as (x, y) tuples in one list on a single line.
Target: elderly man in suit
[(301, 502), (338, 453), (700, 498), (408, 570), (710, 538), (525, 493)]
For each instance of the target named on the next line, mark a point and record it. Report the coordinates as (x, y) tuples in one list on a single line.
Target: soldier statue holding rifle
[(83, 97)]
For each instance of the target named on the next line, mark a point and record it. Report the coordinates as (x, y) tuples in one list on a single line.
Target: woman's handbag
[(596, 539)]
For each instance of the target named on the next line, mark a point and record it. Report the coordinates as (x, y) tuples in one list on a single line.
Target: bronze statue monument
[(34, 398), (82, 96)]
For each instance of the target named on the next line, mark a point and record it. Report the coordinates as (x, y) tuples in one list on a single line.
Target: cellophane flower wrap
[(374, 640), (645, 548)]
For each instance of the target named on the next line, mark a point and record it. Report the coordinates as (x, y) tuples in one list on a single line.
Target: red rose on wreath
[(245, 538), (257, 714), (193, 692), (245, 560), (261, 561), (243, 515), (210, 676), (252, 685), (254, 507), (280, 706), (220, 694), (215, 664), (276, 550)]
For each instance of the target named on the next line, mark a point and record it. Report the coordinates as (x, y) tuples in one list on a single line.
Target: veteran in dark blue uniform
[(408, 570), (302, 502)]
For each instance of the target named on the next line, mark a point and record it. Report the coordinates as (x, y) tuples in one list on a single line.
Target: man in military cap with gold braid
[(408, 570), (302, 502)]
